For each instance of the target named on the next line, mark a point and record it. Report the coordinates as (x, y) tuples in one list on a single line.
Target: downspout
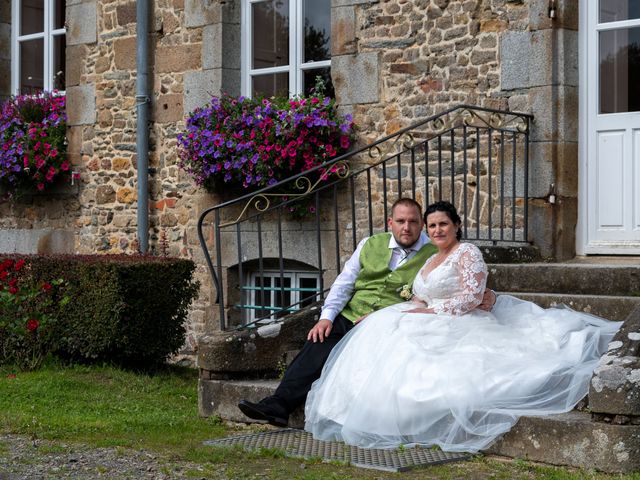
[(142, 128)]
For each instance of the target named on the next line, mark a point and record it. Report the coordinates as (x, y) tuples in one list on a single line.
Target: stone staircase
[(244, 364)]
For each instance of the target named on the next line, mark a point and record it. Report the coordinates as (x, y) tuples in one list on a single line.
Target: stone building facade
[(392, 62)]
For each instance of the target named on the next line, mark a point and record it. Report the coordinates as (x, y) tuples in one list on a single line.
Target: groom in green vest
[(372, 278)]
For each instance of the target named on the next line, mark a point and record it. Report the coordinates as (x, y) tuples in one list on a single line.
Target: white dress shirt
[(342, 289)]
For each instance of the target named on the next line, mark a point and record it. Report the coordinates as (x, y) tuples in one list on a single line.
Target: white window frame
[(296, 66), (254, 296), (48, 44)]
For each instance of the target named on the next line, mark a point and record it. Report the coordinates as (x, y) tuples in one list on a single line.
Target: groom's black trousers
[(307, 366)]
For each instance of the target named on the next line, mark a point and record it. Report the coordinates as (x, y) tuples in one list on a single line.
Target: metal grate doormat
[(298, 443)]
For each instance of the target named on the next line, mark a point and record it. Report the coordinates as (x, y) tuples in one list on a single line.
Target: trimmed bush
[(126, 310)]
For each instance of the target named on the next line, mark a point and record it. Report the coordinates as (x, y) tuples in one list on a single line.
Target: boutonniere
[(405, 291)]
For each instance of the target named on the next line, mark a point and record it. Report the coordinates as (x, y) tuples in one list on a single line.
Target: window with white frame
[(286, 45), (38, 46), (267, 299)]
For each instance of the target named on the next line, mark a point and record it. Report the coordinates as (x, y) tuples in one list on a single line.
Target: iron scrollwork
[(261, 202)]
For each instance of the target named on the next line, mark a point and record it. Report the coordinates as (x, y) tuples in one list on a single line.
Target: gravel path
[(22, 458)]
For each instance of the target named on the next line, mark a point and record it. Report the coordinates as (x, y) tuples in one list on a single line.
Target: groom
[(371, 279)]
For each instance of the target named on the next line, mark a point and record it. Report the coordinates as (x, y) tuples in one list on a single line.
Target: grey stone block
[(199, 87), (343, 31), (615, 385), (539, 58), (198, 13), (573, 439), (81, 105), (555, 111), (254, 351), (31, 241), (221, 46), (514, 60), (565, 278), (356, 78), (82, 20)]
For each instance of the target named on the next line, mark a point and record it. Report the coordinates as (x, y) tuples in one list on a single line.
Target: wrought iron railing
[(477, 158)]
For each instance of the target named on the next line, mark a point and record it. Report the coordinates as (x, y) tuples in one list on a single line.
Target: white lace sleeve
[(473, 274)]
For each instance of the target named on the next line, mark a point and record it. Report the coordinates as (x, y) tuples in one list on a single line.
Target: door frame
[(588, 90)]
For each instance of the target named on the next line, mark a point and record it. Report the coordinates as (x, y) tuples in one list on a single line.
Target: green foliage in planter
[(127, 310)]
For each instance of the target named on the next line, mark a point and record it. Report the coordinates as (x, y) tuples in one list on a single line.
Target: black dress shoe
[(262, 411)]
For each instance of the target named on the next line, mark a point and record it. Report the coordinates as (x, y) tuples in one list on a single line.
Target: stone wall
[(393, 63), (397, 62)]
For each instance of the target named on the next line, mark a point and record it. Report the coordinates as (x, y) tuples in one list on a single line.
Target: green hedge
[(127, 310)]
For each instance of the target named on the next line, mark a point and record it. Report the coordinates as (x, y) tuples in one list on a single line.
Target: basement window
[(272, 295)]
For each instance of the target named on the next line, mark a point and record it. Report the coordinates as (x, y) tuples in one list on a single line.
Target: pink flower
[(64, 166), (40, 186)]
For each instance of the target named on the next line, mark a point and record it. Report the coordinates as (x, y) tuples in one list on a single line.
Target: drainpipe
[(142, 128)]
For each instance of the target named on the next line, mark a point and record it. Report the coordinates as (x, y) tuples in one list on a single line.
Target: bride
[(437, 371)]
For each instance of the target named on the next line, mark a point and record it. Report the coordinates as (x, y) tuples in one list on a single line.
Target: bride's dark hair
[(450, 210)]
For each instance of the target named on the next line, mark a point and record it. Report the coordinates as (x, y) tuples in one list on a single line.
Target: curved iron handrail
[(402, 140)]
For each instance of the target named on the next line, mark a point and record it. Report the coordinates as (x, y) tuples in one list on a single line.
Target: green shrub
[(126, 310)]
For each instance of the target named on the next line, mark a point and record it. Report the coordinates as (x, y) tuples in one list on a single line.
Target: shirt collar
[(421, 242)]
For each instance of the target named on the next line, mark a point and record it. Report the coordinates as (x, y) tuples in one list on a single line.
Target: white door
[(610, 132)]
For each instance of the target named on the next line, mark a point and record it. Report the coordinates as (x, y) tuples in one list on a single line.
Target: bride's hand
[(488, 300)]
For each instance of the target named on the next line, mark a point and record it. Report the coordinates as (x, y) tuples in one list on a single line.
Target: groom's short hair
[(407, 202)]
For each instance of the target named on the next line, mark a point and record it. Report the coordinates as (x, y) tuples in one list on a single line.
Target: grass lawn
[(107, 407)]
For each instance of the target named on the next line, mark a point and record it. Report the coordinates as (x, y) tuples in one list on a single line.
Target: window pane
[(310, 81), (307, 297), (31, 66), (270, 85), (317, 30), (620, 70), (270, 33), (616, 10), (32, 17), (282, 299), (59, 49), (259, 299), (58, 14)]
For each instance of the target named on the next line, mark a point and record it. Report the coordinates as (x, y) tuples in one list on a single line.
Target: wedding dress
[(454, 379)]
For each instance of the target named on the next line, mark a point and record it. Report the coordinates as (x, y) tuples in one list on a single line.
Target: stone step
[(566, 278), (566, 439), (611, 307)]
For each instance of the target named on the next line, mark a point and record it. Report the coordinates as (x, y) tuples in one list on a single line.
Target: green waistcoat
[(377, 286)]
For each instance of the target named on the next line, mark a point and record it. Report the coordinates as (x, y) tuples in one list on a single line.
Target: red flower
[(8, 263), (32, 324), (13, 290), (46, 286), (3, 274), (19, 264)]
